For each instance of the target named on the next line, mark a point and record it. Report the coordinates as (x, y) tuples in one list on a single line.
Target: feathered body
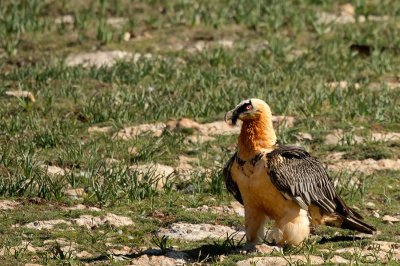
[(281, 182)]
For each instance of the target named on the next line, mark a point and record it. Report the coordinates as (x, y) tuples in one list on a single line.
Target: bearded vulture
[(281, 182)]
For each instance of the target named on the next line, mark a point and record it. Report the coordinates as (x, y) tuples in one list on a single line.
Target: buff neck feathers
[(257, 132)]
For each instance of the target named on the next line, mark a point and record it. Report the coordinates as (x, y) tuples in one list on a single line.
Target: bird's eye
[(248, 107)]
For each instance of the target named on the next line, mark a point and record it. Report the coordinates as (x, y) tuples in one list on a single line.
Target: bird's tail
[(353, 223)]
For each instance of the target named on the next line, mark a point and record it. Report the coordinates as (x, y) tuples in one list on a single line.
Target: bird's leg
[(254, 224)]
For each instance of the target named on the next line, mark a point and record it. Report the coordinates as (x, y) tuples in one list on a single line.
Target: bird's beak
[(231, 116)]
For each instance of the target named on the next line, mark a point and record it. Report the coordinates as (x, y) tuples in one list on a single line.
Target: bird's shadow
[(338, 239), (205, 253)]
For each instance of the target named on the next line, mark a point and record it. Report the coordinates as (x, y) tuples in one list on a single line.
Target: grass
[(281, 53)]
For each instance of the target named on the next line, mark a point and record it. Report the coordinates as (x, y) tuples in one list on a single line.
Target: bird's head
[(250, 109)]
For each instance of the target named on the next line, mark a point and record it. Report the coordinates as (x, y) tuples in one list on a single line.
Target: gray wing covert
[(230, 184), (303, 179)]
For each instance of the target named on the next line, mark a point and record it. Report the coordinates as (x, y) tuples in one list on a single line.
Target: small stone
[(131, 132), (54, 170), (102, 58), (265, 249), (336, 156), (347, 9), (225, 43), (294, 259), (183, 123), (40, 225), (21, 94), (238, 208), (81, 207), (75, 193), (8, 204), (84, 254), (116, 22), (370, 205), (66, 19), (376, 214), (94, 221), (390, 219), (367, 166), (127, 36), (133, 151), (159, 172), (338, 260), (193, 232), (304, 136), (112, 161), (99, 129)]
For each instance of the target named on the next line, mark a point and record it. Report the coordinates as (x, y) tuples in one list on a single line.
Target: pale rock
[(234, 208), (40, 225), (327, 18), (66, 19), (102, 58), (158, 172), (125, 250), (61, 242), (131, 132), (219, 128), (83, 254), (370, 205), (193, 232), (339, 260), (75, 193), (116, 22), (378, 19), (99, 129), (393, 85), (282, 120), (127, 36), (25, 245), (147, 260), (225, 43), (304, 136), (8, 204), (54, 170), (336, 156), (183, 123), (94, 221), (21, 94), (296, 259), (237, 208), (376, 214), (388, 136), (338, 136), (367, 166), (133, 151), (347, 9), (81, 207), (112, 161), (390, 219), (266, 249)]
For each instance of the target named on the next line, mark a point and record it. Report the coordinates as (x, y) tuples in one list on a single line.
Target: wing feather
[(295, 173), (230, 184)]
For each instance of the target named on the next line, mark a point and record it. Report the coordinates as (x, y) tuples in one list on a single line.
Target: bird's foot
[(249, 247)]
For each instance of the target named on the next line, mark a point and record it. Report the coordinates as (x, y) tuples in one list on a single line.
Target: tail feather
[(354, 223)]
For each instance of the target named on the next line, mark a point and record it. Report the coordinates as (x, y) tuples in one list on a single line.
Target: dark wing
[(303, 179), (231, 185)]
